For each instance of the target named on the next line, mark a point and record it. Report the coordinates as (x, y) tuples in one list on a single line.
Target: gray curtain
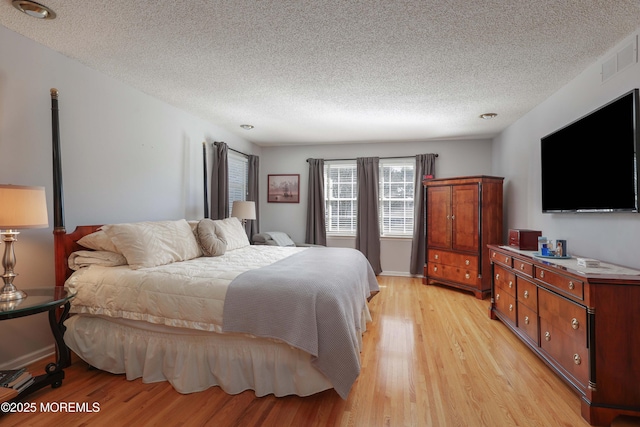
[(219, 181), (425, 165), (316, 227), (368, 222), (253, 163)]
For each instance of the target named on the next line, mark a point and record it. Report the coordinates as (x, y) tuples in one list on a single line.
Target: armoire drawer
[(452, 258), (456, 274)]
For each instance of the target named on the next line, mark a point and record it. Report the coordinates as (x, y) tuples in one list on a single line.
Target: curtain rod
[(393, 157), (232, 149)]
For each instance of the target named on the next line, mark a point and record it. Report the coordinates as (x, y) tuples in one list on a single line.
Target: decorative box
[(525, 240)]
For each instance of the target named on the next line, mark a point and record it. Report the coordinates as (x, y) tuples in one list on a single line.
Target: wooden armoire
[(464, 215)]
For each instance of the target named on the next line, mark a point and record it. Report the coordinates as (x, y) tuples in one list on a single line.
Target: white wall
[(611, 237), (456, 158), (126, 157)]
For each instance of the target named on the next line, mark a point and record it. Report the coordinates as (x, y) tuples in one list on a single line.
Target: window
[(395, 197), (238, 172), (341, 192)]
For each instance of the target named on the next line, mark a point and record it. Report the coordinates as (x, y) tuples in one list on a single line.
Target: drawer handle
[(436, 256), (526, 294), (467, 262), (521, 266), (498, 276), (506, 259), (576, 359), (547, 336), (494, 254), (497, 297), (574, 323), (467, 276), (510, 307), (542, 274), (510, 284), (571, 285), (435, 269), (526, 320)]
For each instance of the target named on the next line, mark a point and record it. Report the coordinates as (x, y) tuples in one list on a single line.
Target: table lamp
[(20, 207), (243, 210)]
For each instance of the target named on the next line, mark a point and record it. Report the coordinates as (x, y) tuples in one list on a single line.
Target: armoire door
[(465, 217), (439, 217)]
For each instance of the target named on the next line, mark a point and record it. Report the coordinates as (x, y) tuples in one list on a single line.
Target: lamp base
[(10, 293)]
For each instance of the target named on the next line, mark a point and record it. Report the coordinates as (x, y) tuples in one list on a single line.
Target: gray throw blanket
[(313, 301)]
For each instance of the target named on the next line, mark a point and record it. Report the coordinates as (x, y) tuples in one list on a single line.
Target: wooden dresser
[(464, 215), (584, 324)]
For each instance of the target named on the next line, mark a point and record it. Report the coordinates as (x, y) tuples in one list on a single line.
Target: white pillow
[(148, 244), (233, 232), (98, 241)]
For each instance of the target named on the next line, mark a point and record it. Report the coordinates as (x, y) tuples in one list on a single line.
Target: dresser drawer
[(527, 293), (528, 322), (566, 316), (504, 278), (569, 353), (523, 267), (506, 304), (501, 258), (452, 258), (565, 284)]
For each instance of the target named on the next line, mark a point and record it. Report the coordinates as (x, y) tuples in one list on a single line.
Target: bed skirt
[(194, 361)]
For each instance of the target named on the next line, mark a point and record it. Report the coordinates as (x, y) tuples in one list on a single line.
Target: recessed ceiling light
[(246, 127), (488, 116), (34, 9)]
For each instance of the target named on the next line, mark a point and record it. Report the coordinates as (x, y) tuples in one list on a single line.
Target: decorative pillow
[(98, 241), (233, 232), (149, 244), (80, 259), (211, 243)]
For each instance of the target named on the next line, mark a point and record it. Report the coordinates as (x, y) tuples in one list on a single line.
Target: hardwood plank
[(431, 357)]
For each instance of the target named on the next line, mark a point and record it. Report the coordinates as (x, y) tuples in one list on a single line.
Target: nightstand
[(56, 301)]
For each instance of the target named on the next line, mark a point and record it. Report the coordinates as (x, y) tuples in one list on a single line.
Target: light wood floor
[(432, 357)]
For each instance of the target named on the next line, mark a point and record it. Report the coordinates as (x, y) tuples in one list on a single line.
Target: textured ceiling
[(313, 71)]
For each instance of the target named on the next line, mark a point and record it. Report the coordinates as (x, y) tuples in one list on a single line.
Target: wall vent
[(625, 57)]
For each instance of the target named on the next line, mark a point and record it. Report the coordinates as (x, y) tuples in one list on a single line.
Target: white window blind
[(238, 172), (340, 198), (395, 204), (396, 197)]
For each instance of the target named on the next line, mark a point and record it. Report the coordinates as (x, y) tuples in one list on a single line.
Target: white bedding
[(155, 295), (151, 324)]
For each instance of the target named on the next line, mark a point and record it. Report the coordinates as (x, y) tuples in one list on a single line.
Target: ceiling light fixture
[(488, 116), (34, 9), (246, 127)]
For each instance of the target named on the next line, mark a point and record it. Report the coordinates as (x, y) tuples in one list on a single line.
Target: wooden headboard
[(64, 244)]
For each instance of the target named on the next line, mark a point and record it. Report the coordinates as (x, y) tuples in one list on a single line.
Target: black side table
[(38, 301)]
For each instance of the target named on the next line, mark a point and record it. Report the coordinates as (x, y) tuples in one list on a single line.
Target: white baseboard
[(30, 358), (397, 273)]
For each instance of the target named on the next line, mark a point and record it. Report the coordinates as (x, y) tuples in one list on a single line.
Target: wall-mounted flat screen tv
[(591, 165)]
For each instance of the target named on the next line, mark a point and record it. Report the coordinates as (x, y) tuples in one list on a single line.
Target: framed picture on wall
[(283, 188)]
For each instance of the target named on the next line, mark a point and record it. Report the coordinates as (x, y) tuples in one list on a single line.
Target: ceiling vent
[(625, 57)]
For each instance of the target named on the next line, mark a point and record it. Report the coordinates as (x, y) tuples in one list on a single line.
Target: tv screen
[(590, 165)]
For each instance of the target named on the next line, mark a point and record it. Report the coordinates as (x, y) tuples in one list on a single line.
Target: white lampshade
[(244, 210), (22, 207)]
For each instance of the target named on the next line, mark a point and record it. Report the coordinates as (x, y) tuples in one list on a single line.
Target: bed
[(167, 301)]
